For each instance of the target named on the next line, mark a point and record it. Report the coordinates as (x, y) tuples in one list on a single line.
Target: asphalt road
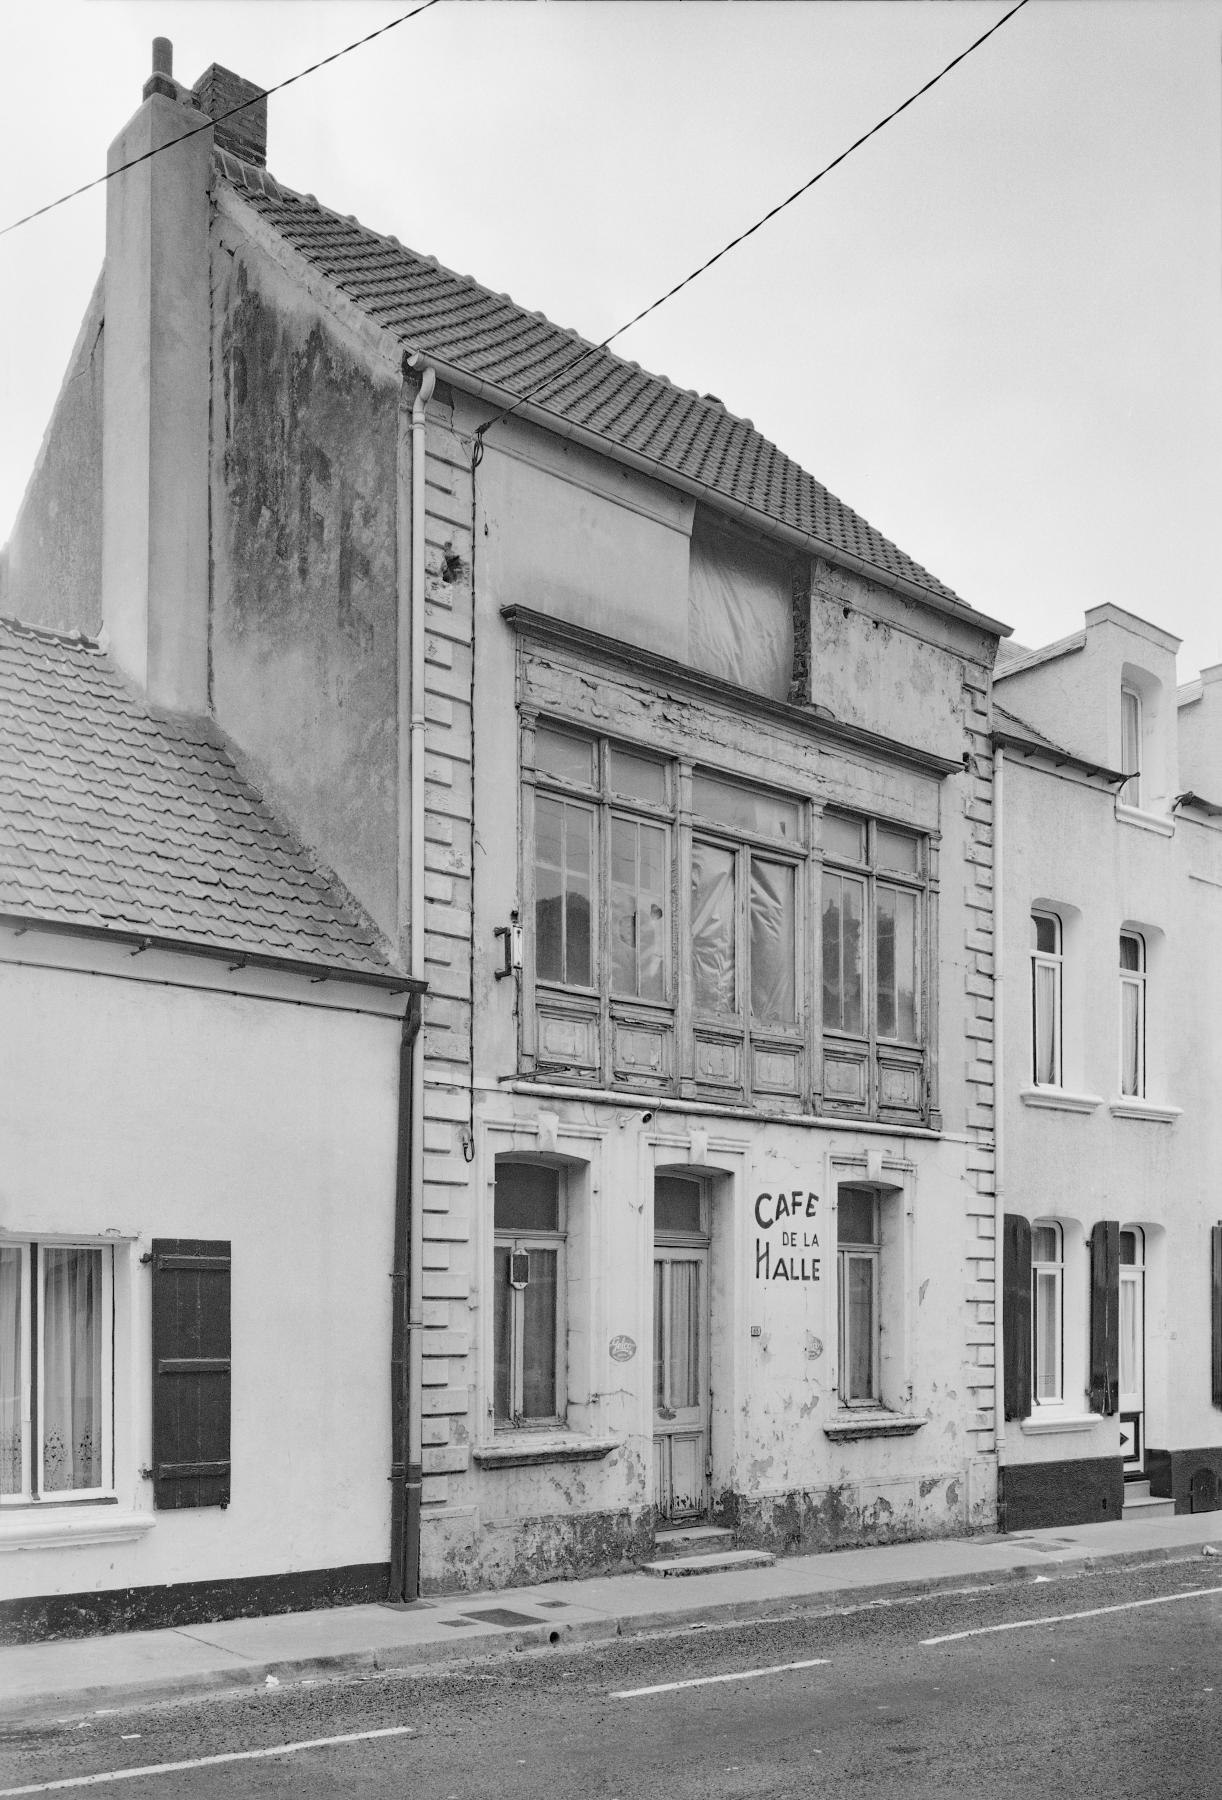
[(1017, 1700)]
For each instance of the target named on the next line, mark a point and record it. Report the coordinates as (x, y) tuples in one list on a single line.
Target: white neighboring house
[(1108, 794), (199, 1074)]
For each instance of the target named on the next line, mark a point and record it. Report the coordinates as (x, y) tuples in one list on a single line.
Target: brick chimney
[(155, 395), (238, 109)]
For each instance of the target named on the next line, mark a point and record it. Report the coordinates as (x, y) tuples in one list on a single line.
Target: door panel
[(1132, 1369), (680, 1380)]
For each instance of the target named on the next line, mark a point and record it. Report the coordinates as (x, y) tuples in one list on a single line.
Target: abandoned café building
[(666, 778)]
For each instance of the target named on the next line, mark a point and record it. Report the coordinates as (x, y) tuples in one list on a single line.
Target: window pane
[(639, 924), (1046, 986), (568, 758), (676, 1204), (564, 837), (746, 809), (1046, 933), (71, 1370), (1130, 951), (897, 850), (539, 1337), (1130, 1337), (684, 1347), (895, 940), (844, 838), (527, 1197), (774, 981), (502, 1333), (1128, 1247), (1045, 1244), (714, 976), (1130, 746), (659, 1336), (641, 777), (843, 973), (1130, 1037), (884, 961), (12, 1447), (859, 1327), (856, 1216), (1047, 1334)]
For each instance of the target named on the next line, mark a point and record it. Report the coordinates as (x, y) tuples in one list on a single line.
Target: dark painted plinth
[(188, 1603), (1080, 1492), (1192, 1478)]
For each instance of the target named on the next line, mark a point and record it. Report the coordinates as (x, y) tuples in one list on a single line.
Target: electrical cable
[(569, 369), (254, 100)]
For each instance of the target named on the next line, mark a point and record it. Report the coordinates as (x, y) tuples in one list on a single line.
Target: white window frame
[(1051, 1271), (1134, 981), (33, 1490), (1053, 960), (1131, 740), (846, 1255), (523, 1241)]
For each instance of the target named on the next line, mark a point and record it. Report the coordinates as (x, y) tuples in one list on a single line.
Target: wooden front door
[(680, 1350)]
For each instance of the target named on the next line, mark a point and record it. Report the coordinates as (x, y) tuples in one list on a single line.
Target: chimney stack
[(238, 109)]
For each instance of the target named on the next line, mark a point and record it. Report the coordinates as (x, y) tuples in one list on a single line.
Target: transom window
[(528, 1282), (56, 1334), (677, 913)]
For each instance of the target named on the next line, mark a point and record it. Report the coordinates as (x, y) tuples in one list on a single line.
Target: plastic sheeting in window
[(714, 974), (640, 882), (773, 922), (740, 611)]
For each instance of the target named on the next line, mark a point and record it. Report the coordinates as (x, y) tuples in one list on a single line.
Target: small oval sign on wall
[(622, 1348)]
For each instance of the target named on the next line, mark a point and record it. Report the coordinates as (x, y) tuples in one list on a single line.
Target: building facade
[(669, 776), (1109, 872)]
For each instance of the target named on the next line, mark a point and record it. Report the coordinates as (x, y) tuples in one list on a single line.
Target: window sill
[(523, 1450), (42, 1526), (846, 1427), (1055, 1099), (1145, 821), (1129, 1106), (1040, 1426)]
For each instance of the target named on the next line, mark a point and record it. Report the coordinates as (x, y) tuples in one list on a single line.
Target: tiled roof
[(485, 335), (116, 817)]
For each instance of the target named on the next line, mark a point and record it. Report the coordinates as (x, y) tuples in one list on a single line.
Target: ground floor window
[(528, 1283), (56, 1337), (1047, 1306), (858, 1247)]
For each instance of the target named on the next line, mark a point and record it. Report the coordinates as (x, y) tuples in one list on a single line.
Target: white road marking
[(669, 1687), (1094, 1612), (204, 1762)]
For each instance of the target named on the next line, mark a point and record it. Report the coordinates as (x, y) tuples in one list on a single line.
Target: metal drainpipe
[(401, 1547), (410, 710), (999, 1095)]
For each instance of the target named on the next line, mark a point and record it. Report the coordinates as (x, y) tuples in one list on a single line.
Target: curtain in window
[(539, 1337), (10, 1371), (1044, 976), (773, 943), (713, 964), (72, 1369), (1130, 1037), (682, 1351), (1047, 1335), (859, 1335)]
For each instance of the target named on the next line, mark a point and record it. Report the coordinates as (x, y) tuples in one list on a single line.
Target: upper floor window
[(1046, 974), (1130, 744), (675, 909), (1132, 1013)]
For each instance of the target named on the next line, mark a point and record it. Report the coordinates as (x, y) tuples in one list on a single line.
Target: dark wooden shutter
[(191, 1372), (1016, 1316), (1104, 1315), (1215, 1313)]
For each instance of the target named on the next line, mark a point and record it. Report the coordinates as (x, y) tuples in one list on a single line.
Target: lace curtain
[(71, 1369), (10, 1370)]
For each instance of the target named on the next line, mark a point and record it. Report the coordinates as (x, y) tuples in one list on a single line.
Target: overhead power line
[(254, 100), (593, 349)]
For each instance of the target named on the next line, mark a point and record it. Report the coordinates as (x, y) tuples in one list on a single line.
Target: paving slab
[(78, 1675)]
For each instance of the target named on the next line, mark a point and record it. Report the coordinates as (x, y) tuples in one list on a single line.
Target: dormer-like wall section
[(1200, 735)]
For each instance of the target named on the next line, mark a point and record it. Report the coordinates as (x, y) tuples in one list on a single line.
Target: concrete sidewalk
[(96, 1673)]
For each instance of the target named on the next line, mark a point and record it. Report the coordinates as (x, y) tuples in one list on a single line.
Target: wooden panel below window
[(642, 1050), (844, 1078), (568, 1039), (776, 1069)]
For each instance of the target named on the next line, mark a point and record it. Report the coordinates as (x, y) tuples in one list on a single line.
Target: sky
[(994, 330)]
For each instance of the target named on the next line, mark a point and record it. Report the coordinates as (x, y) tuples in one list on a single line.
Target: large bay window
[(56, 1336), (676, 917)]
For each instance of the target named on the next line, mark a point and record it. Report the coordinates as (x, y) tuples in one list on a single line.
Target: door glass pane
[(856, 1216), (639, 888), (1130, 1338), (684, 1346), (859, 1333), (774, 979), (72, 1370), (11, 1408), (843, 953), (676, 1204), (714, 976), (502, 1332), (659, 1337), (527, 1197), (539, 1337)]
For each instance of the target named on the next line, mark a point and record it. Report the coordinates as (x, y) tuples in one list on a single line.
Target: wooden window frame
[(845, 1255), (1054, 960), (525, 1240), (32, 1489), (1136, 981), (1054, 1355)]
